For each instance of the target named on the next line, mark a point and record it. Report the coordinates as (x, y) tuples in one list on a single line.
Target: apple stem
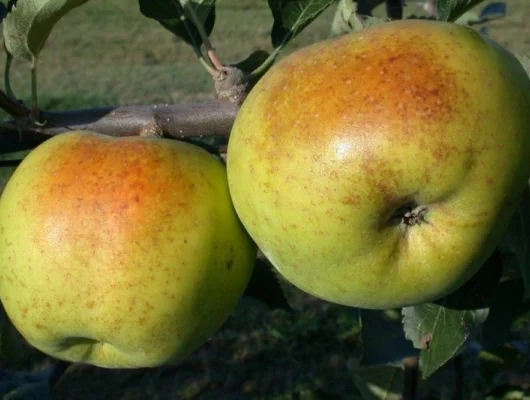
[(415, 216)]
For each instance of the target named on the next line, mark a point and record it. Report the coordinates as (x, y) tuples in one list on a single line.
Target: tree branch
[(12, 107), (181, 121)]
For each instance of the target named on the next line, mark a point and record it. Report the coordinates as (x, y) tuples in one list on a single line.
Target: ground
[(106, 53)]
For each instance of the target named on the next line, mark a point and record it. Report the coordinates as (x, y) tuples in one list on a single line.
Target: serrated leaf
[(439, 331), (30, 22), (292, 16), (451, 10), (382, 382), (171, 15), (517, 238), (442, 328)]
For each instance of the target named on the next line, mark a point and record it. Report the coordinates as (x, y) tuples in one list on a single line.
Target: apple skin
[(339, 139), (120, 252)]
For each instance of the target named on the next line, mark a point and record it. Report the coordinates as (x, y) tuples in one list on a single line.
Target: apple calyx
[(409, 214), (415, 216), (232, 84)]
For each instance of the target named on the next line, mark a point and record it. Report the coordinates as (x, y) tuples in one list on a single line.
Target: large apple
[(120, 252), (379, 169)]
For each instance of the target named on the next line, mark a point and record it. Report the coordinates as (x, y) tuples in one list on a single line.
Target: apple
[(120, 252), (380, 169)]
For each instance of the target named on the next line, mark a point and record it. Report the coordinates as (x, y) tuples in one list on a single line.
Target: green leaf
[(517, 238), (30, 22), (347, 20), (292, 16), (439, 331), (451, 10), (379, 382), (171, 15), (442, 328)]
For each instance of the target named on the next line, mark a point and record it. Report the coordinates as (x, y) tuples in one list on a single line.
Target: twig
[(190, 120), (204, 36), (7, 72), (13, 107), (195, 45), (410, 383)]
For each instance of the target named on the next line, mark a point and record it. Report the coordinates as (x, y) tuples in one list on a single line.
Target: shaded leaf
[(170, 14), (383, 341), (3, 11), (451, 10), (265, 287), (379, 382), (365, 7), (292, 16), (8, 164), (525, 62), (439, 331), (26, 385), (517, 238), (30, 22), (501, 359), (493, 11), (506, 306), (253, 61), (478, 292)]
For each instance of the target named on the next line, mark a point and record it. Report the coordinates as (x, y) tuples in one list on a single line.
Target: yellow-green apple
[(380, 169), (120, 252)]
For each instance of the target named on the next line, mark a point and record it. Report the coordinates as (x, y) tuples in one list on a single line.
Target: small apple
[(380, 169), (120, 252)]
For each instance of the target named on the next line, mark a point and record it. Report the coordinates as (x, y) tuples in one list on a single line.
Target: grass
[(107, 53)]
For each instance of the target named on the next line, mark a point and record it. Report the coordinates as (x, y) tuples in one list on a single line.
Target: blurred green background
[(107, 53)]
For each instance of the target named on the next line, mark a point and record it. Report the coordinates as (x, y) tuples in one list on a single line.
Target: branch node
[(151, 130), (232, 84)]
